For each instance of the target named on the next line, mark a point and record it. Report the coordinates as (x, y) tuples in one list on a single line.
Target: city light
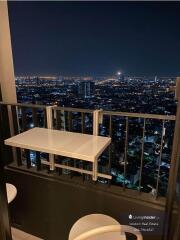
[(121, 93)]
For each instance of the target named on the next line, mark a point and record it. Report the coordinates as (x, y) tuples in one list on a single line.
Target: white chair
[(11, 192), (101, 227)]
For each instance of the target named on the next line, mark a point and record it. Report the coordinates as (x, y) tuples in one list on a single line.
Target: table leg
[(95, 167), (51, 160)]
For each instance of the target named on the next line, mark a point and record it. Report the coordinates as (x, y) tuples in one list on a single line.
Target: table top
[(69, 144)]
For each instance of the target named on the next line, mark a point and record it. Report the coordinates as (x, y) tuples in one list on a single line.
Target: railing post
[(11, 126), (50, 126), (126, 150), (174, 168), (177, 90), (49, 117), (97, 119), (7, 79)]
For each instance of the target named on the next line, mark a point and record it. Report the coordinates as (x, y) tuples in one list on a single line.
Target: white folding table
[(69, 144)]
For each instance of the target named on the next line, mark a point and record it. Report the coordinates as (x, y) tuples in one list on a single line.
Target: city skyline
[(51, 76), (95, 38), (122, 95)]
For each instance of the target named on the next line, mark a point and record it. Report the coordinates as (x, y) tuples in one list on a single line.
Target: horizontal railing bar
[(80, 170), (26, 105), (112, 113), (68, 109), (45, 162), (140, 115), (104, 176), (77, 169)]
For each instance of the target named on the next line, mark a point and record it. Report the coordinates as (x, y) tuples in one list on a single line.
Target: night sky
[(96, 38)]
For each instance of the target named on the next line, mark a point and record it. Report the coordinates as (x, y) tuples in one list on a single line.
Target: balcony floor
[(20, 235)]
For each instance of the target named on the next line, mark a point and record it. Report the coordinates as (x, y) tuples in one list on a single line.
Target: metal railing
[(97, 122), (142, 123)]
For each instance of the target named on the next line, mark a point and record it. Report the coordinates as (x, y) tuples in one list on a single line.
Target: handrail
[(55, 117), (141, 115), (110, 228), (69, 109), (27, 105), (112, 113)]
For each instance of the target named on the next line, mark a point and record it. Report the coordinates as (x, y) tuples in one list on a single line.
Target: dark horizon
[(95, 38)]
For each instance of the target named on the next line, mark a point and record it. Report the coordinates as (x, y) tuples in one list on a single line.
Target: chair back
[(101, 227)]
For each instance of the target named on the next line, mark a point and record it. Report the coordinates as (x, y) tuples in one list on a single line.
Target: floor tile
[(20, 235)]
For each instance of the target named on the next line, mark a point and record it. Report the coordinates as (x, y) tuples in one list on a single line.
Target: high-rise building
[(86, 89), (156, 79)]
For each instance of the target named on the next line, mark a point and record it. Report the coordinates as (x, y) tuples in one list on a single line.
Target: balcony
[(148, 148), (136, 176), (130, 189)]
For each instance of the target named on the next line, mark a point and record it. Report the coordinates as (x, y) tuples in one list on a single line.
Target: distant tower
[(36, 99), (86, 89), (37, 81), (156, 79)]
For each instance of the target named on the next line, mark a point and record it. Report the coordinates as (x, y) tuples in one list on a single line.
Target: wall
[(48, 207)]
